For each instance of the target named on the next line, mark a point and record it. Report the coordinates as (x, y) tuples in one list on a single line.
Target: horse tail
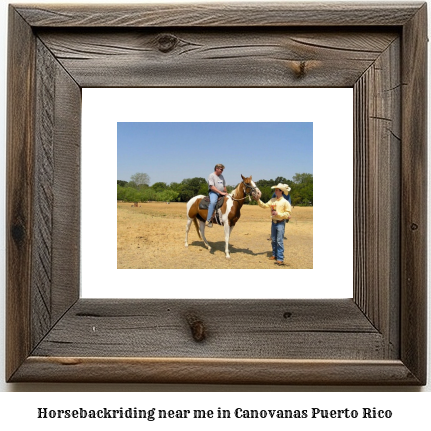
[(195, 222)]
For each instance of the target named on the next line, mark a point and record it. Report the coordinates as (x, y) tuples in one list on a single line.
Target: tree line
[(138, 189)]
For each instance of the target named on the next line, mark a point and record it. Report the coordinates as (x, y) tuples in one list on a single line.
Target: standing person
[(280, 212), (287, 197), (216, 188)]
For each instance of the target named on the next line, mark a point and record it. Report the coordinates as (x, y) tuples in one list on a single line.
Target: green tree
[(175, 186), (190, 187), (302, 189), (185, 194), (132, 184), (159, 187), (203, 189), (267, 192), (167, 196), (121, 192), (195, 183), (131, 195), (301, 193), (281, 180), (148, 194), (303, 178)]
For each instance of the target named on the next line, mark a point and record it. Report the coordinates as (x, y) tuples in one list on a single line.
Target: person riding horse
[(228, 214), (216, 188)]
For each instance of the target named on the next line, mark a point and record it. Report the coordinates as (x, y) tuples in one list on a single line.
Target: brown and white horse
[(228, 214)]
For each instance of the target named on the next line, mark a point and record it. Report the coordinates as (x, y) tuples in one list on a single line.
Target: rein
[(247, 186)]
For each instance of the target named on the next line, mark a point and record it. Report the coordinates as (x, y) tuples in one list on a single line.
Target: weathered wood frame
[(378, 337)]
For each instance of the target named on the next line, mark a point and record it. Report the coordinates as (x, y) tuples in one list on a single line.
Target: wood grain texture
[(221, 58), (55, 279), (44, 195), (376, 182), (221, 15), (378, 337), (20, 194), (234, 329), (413, 193), (67, 199), (215, 371)]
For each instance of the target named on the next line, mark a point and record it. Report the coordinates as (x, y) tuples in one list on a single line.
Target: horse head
[(250, 188)]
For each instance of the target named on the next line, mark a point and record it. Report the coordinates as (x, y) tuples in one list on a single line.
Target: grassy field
[(152, 236)]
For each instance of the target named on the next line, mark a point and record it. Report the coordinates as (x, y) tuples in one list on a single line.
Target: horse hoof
[(227, 257)]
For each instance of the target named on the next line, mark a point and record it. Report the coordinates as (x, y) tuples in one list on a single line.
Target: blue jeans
[(213, 201), (277, 234)]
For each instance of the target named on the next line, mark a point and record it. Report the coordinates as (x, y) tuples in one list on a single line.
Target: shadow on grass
[(220, 246)]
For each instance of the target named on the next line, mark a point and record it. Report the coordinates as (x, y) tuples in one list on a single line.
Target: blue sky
[(171, 152)]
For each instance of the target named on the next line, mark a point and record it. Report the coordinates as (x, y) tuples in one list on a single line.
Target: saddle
[(204, 203)]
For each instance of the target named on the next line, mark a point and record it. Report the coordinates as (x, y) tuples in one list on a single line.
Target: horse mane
[(232, 193)]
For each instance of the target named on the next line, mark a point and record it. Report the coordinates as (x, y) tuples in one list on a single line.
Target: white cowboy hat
[(283, 187)]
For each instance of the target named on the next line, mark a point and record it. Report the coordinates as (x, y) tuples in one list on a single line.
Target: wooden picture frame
[(376, 338)]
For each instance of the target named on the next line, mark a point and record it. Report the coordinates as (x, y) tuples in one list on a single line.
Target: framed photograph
[(377, 337), (252, 134)]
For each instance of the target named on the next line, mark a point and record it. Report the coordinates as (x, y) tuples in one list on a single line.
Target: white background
[(410, 409), (332, 160)]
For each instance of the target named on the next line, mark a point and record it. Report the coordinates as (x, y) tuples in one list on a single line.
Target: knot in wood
[(18, 233), (167, 42), (197, 328), (414, 226), (300, 69)]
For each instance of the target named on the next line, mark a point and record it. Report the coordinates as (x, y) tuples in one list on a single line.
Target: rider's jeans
[(213, 200)]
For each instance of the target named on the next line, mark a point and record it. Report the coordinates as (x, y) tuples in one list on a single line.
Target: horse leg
[(189, 222), (227, 232), (202, 230)]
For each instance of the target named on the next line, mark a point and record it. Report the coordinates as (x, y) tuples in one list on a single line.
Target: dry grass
[(152, 236)]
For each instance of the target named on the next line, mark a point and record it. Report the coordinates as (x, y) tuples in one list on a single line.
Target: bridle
[(246, 191)]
